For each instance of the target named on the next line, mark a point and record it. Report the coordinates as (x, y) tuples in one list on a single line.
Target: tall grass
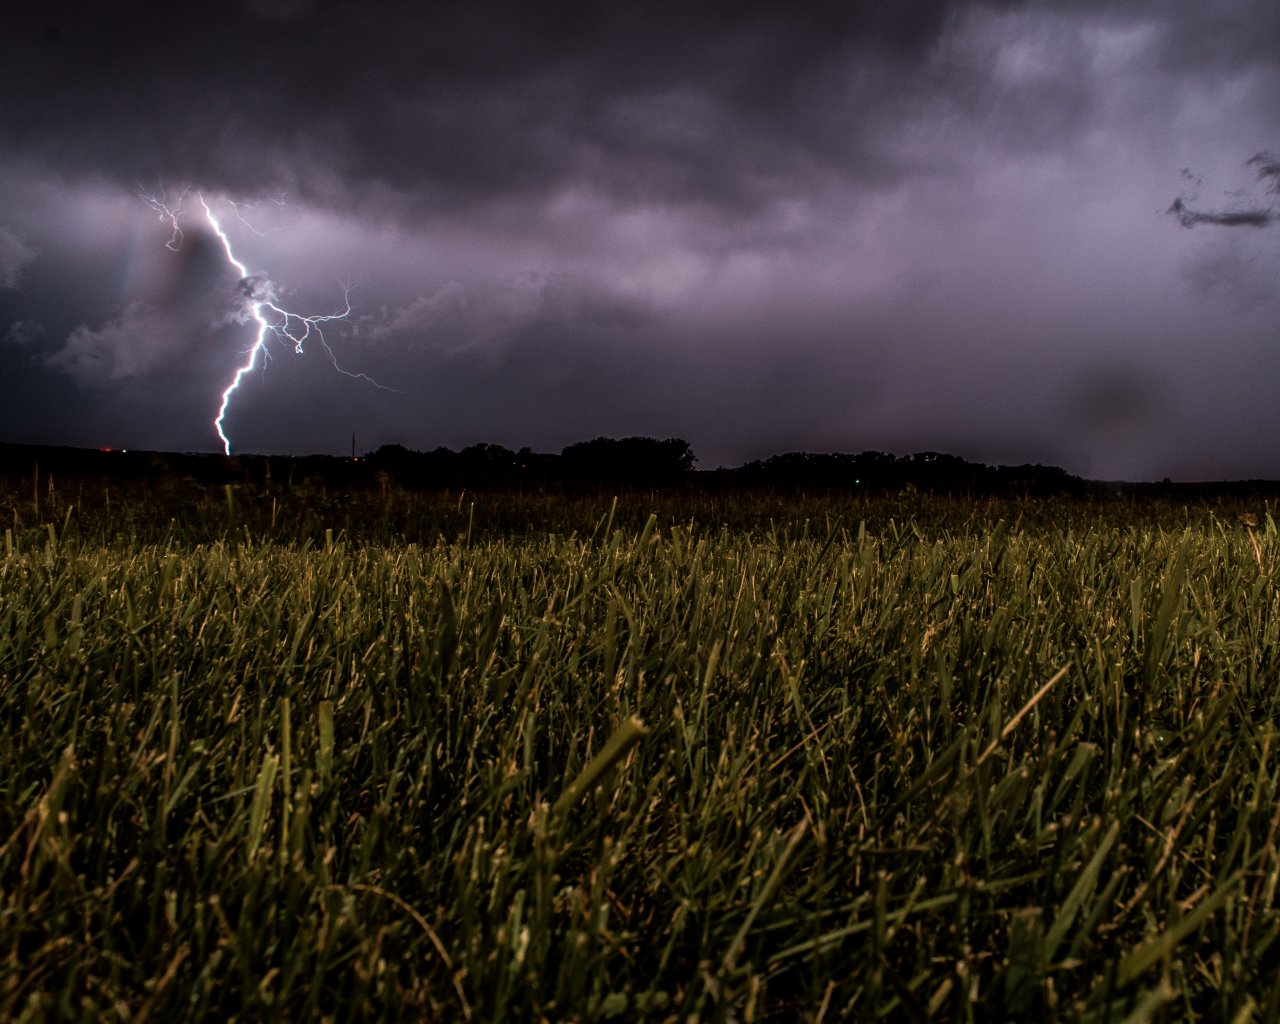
[(801, 760)]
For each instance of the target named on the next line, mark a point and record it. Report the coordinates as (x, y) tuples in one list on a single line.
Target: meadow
[(295, 754)]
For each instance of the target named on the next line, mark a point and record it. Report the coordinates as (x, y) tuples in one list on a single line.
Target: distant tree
[(390, 454), (486, 465), (398, 463), (937, 471), (638, 461), (1034, 480)]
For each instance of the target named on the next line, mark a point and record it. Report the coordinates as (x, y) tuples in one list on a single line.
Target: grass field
[(308, 755)]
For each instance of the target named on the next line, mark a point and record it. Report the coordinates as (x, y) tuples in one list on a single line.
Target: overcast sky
[(761, 227)]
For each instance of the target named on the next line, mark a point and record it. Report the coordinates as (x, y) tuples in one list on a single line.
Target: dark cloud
[(1268, 166), (1247, 279), (1216, 35), (457, 102), (1115, 399), (494, 315), (134, 344), (23, 332), (1189, 218), (923, 224), (15, 254), (708, 102), (1252, 216)]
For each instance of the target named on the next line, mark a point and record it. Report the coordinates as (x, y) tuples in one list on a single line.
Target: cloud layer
[(935, 224)]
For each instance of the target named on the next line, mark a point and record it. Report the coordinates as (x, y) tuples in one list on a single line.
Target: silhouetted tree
[(640, 461)]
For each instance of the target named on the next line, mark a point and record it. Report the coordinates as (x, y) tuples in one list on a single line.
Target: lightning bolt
[(260, 305)]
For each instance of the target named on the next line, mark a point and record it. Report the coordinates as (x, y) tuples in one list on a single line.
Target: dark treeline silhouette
[(929, 471), (613, 463), (641, 462), (630, 463)]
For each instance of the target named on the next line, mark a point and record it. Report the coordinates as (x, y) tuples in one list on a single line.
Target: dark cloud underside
[(461, 99)]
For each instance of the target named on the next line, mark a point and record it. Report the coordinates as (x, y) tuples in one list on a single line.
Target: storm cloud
[(934, 224), (1249, 216), (14, 255)]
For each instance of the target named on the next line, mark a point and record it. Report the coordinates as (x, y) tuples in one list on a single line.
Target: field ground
[(300, 754)]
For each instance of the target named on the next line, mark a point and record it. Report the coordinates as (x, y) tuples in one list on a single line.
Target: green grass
[(903, 757)]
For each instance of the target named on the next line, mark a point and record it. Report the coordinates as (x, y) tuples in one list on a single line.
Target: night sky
[(1015, 232)]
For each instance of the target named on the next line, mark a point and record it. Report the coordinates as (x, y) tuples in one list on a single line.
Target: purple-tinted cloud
[(23, 332), (1268, 165), (932, 224), (134, 344), (1189, 218), (1249, 217), (15, 254)]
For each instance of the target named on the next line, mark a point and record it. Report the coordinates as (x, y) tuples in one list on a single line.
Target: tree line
[(615, 463)]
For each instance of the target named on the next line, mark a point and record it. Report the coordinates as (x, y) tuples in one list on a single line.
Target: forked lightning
[(260, 306)]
